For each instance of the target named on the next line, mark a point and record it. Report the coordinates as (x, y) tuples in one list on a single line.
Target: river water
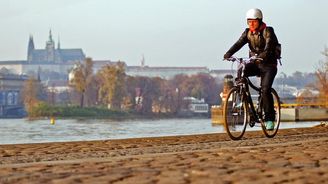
[(15, 131)]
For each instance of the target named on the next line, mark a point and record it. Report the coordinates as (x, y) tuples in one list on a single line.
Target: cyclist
[(262, 43)]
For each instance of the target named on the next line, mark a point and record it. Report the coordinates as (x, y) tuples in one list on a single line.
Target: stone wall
[(287, 114)]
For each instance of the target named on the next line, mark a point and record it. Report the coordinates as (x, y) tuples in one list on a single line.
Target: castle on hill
[(53, 61), (49, 59), (51, 54)]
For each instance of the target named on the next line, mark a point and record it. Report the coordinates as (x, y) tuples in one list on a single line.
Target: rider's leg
[(268, 73), (251, 69)]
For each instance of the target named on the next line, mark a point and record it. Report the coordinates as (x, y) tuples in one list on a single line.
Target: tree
[(145, 93), (322, 77), (32, 94), (169, 98), (198, 86), (112, 89), (82, 78), (91, 92), (150, 92)]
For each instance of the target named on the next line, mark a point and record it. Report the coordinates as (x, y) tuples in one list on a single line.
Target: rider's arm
[(239, 44), (270, 43)]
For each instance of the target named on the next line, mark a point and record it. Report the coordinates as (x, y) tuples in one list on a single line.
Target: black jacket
[(262, 43)]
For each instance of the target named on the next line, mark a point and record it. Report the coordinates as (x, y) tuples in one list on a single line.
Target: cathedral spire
[(143, 61), (30, 49), (50, 47), (58, 44), (50, 36)]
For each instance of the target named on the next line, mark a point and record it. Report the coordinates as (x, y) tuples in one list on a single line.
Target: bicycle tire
[(277, 107), (235, 114)]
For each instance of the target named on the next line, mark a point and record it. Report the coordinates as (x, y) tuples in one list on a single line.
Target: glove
[(226, 55)]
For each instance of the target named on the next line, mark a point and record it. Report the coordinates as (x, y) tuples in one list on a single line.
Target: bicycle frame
[(245, 108), (244, 83), (244, 86)]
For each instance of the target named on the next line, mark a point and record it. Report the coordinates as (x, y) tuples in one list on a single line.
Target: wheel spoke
[(235, 113)]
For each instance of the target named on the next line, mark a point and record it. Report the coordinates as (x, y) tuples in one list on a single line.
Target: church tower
[(30, 49), (58, 44), (58, 58), (50, 49)]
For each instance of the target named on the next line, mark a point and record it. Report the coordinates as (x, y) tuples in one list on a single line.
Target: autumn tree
[(32, 94), (198, 86), (208, 87), (145, 93), (112, 87), (83, 74), (130, 98), (322, 77), (91, 92), (150, 92), (170, 98)]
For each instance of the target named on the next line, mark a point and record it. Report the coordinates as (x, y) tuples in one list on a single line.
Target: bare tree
[(322, 77)]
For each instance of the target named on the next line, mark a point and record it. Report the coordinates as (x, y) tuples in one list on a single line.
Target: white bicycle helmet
[(254, 13)]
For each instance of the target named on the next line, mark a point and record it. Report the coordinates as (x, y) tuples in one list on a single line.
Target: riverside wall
[(287, 114), (304, 114)]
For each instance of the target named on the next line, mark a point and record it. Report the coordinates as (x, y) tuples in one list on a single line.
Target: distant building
[(53, 61), (48, 59), (10, 89), (220, 74), (52, 55), (164, 72)]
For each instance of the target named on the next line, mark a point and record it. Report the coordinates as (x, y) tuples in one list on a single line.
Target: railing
[(292, 105)]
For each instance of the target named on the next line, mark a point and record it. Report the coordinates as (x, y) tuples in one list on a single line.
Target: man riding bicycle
[(262, 43)]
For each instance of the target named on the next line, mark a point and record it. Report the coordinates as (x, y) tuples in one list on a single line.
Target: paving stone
[(294, 156)]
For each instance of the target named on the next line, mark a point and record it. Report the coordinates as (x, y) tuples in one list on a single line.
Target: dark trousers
[(267, 72)]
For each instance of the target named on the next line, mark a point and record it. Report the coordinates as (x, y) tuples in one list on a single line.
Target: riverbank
[(44, 111), (294, 155)]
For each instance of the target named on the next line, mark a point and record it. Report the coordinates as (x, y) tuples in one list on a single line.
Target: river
[(16, 131)]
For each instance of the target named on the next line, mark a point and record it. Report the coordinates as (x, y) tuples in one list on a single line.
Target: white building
[(164, 72)]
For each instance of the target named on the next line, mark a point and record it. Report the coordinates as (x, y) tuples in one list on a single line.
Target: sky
[(165, 32)]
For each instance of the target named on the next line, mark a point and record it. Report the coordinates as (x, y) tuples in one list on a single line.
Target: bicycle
[(239, 109)]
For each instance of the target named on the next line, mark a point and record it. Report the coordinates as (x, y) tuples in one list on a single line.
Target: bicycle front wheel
[(235, 114), (276, 102)]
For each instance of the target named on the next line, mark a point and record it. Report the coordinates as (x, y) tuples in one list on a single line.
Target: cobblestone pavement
[(293, 156)]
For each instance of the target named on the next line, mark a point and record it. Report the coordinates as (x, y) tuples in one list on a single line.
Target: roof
[(71, 55), (166, 68), (13, 62), (57, 83), (65, 55)]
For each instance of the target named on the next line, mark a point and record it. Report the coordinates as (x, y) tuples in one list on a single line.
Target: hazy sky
[(166, 32)]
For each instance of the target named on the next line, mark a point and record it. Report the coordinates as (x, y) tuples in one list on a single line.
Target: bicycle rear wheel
[(276, 102), (235, 113)]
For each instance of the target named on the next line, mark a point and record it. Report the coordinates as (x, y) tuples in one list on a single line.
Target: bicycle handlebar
[(243, 60)]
